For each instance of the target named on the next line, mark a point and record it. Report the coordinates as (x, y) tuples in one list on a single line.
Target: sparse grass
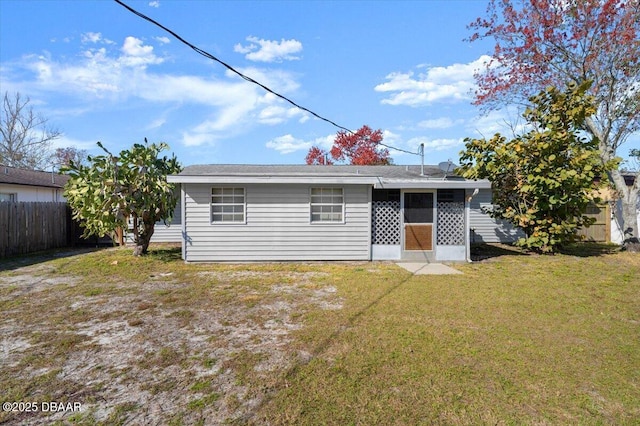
[(121, 412), (516, 339)]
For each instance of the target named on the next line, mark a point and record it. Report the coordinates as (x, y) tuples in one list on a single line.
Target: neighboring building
[(615, 217), (20, 185), (281, 213)]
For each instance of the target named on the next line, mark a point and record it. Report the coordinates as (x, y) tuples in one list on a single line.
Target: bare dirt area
[(192, 345)]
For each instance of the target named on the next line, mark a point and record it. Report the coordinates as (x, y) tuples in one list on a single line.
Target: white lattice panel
[(451, 224), (386, 222)]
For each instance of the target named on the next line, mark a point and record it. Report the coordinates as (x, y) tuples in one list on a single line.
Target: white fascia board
[(432, 184), (331, 180)]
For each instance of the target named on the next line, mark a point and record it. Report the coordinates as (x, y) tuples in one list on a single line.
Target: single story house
[(302, 212), (20, 185)]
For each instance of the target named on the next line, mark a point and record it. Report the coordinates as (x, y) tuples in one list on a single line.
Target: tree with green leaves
[(543, 180), (540, 43), (110, 190)]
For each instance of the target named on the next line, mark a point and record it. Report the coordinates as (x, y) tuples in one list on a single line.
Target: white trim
[(370, 216), (432, 184), (244, 206), (183, 224), (386, 252), (13, 196), (448, 253), (328, 222), (377, 182), (314, 180)]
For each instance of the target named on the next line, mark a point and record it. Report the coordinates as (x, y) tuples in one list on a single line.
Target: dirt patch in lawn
[(195, 346)]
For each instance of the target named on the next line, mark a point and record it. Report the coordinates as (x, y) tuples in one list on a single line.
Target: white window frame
[(12, 197), (326, 198), (228, 197)]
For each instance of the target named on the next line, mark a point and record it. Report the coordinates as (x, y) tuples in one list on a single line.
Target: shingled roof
[(393, 176), (15, 176), (399, 172)]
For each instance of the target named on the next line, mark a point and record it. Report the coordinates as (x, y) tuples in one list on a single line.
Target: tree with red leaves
[(318, 156), (540, 43), (360, 148)]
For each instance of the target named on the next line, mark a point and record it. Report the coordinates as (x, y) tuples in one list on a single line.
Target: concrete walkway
[(428, 268)]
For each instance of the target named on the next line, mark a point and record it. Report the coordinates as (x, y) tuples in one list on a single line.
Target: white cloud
[(65, 141), (325, 142), (277, 80), (390, 138), (138, 54), (98, 74), (439, 123), (91, 37), (158, 122), (276, 114), (196, 139), (260, 50), (155, 4), (163, 40), (223, 106), (287, 144), (435, 144), (437, 84)]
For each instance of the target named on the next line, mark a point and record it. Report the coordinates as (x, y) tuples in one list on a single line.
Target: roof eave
[(432, 184), (244, 179), (40, 185), (334, 180)]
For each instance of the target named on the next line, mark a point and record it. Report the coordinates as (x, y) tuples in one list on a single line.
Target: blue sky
[(100, 73)]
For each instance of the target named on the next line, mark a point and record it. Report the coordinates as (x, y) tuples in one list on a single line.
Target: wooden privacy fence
[(26, 227), (600, 231)]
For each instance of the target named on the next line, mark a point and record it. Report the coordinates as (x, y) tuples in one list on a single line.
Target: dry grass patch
[(135, 339)]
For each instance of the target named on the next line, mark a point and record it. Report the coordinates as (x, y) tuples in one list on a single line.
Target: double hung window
[(227, 205), (327, 205)]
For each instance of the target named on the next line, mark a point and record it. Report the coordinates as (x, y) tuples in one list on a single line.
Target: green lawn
[(517, 339)]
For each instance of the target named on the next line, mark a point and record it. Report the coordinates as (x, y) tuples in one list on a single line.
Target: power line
[(398, 149), (245, 77)]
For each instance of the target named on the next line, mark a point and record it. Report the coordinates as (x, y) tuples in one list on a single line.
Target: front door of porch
[(418, 226)]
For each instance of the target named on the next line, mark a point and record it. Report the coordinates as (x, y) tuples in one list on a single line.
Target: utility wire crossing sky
[(249, 79), (99, 74)]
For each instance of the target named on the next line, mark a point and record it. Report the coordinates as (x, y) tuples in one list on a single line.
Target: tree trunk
[(629, 205), (143, 239)]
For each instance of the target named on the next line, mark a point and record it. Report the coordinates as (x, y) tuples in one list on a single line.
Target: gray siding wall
[(485, 229), (277, 226), (172, 233), (163, 233)]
